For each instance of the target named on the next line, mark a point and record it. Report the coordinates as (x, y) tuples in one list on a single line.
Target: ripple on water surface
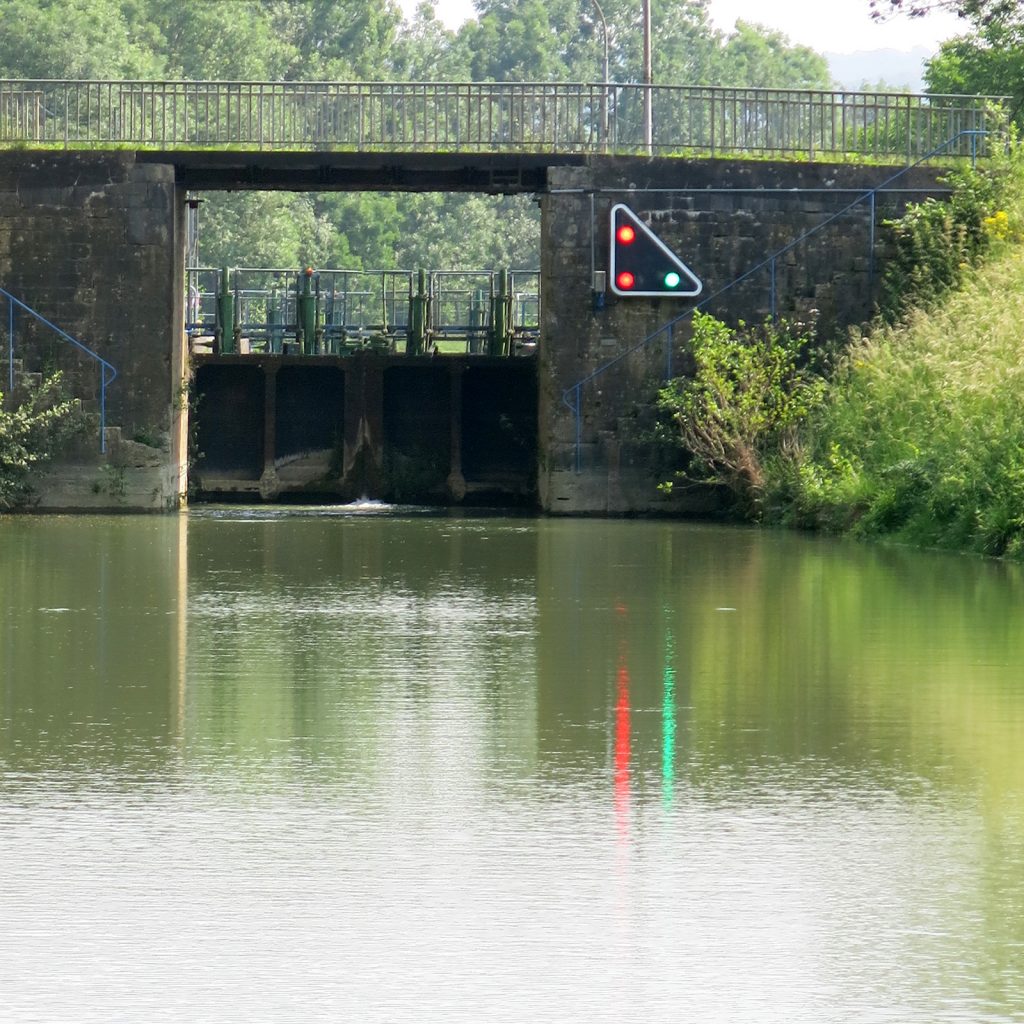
[(360, 764)]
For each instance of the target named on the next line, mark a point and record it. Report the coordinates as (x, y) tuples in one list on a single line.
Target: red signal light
[(641, 264)]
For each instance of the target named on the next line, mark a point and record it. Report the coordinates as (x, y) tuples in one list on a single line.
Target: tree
[(760, 58), (264, 229), (973, 65), (427, 51), (523, 40), (342, 40), (749, 391), (469, 232), (980, 12), (77, 39), (240, 41)]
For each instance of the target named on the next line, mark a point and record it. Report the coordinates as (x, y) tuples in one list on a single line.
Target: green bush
[(921, 436), (30, 434), (935, 242), (749, 391)]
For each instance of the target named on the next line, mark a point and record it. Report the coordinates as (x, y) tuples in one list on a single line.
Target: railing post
[(578, 415), (712, 118), (910, 132), (103, 409), (810, 126), (871, 249), (10, 345)]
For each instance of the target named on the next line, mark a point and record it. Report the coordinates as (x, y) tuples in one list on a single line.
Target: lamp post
[(604, 73), (648, 113)]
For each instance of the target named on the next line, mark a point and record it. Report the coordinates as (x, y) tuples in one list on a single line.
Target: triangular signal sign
[(642, 264)]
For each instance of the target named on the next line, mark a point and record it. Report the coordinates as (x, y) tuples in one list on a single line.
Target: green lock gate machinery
[(309, 312)]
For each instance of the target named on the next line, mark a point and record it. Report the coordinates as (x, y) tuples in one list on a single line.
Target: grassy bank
[(914, 430), (921, 435)]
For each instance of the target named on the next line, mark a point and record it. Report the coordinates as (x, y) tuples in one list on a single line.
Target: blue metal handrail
[(107, 371), (572, 397)]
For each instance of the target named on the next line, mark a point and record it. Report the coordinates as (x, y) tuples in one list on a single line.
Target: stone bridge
[(93, 179)]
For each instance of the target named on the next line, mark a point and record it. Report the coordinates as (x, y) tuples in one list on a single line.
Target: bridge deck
[(495, 173)]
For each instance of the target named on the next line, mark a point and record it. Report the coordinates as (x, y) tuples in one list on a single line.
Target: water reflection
[(668, 720), (622, 751), (332, 758)]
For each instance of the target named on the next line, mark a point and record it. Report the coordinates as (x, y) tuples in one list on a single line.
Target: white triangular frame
[(687, 273)]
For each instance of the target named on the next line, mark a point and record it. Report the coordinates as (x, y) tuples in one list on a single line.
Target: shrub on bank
[(922, 435), (30, 434), (918, 434), (748, 393), (935, 242)]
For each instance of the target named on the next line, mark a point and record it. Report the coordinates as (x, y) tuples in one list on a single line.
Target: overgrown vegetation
[(918, 432), (30, 434), (935, 242), (922, 436), (749, 391)]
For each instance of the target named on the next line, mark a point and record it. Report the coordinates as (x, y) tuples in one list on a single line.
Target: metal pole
[(103, 410), (10, 343), (871, 251), (648, 79), (604, 74), (577, 415)]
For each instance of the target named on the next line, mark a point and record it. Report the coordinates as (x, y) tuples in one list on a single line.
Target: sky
[(828, 26)]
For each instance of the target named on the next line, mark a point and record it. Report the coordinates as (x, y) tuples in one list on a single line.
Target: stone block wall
[(95, 244), (723, 219)]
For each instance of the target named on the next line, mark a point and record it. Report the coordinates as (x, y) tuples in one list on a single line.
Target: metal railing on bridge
[(521, 117), (256, 310)]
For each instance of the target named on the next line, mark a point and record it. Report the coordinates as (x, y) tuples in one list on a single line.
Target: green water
[(357, 765)]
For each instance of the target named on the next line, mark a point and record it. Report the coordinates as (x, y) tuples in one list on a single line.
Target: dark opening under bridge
[(93, 178)]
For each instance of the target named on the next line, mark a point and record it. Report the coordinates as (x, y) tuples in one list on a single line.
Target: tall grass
[(918, 431), (922, 436)]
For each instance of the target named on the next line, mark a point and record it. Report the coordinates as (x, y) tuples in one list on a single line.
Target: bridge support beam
[(95, 244)]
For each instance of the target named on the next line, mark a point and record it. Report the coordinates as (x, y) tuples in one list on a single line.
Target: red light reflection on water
[(622, 748), (622, 731)]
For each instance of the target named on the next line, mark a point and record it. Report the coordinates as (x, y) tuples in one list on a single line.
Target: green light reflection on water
[(668, 720)]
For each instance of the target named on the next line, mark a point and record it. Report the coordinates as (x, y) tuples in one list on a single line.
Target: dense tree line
[(351, 40), (987, 59)]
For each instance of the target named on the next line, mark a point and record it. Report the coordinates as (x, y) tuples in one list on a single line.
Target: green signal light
[(672, 279)]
